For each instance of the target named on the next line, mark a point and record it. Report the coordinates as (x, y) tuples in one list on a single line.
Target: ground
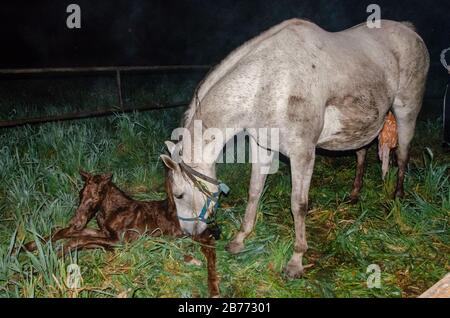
[(39, 183)]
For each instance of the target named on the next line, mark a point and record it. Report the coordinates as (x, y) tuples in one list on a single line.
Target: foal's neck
[(115, 199)]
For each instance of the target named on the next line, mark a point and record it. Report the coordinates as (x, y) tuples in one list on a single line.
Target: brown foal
[(119, 217)]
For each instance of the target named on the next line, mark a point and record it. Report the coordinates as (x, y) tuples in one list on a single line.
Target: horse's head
[(91, 197), (194, 196)]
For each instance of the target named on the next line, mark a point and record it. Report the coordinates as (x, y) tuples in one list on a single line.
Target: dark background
[(165, 32)]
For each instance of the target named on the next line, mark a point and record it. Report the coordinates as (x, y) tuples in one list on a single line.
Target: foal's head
[(91, 197)]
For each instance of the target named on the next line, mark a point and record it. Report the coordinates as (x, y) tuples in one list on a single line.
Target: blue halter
[(211, 196), (223, 188)]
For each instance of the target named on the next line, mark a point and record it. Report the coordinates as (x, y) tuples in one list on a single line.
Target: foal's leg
[(360, 165), (257, 181), (213, 279), (77, 227), (208, 247), (70, 233), (65, 233), (302, 166), (88, 242)]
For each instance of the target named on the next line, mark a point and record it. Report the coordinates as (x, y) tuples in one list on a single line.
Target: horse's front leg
[(302, 166), (257, 181)]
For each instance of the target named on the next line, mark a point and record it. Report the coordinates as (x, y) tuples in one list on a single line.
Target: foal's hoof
[(399, 194), (28, 247), (235, 247), (293, 271), (353, 199)]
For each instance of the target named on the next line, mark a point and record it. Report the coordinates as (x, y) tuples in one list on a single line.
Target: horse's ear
[(170, 146), (107, 177), (172, 165), (85, 175)]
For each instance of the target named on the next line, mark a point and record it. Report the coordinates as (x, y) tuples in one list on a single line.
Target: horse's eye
[(179, 197)]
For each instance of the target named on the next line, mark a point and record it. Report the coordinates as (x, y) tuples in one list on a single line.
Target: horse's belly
[(343, 132)]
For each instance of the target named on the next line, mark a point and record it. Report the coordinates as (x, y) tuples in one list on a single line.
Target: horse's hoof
[(235, 247), (293, 271)]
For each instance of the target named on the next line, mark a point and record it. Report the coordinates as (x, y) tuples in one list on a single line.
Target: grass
[(39, 184)]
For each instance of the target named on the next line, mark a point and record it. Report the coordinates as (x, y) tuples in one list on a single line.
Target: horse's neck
[(204, 151), (230, 62)]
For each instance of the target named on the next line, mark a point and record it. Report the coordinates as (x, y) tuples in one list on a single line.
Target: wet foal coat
[(120, 217)]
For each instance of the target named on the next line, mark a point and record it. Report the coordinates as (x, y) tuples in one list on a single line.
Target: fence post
[(119, 88)]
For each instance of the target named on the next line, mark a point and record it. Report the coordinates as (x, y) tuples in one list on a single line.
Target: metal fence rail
[(84, 114), (101, 69), (104, 112)]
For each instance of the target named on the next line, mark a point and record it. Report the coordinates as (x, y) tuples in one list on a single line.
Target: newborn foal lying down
[(119, 216)]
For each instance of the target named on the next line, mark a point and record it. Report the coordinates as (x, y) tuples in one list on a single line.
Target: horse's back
[(301, 77), (368, 70)]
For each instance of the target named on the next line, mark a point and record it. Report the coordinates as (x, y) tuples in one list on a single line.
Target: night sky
[(165, 32)]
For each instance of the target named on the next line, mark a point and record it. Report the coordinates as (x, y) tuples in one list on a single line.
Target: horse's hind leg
[(257, 181), (302, 165), (408, 103), (357, 184), (406, 108), (406, 111)]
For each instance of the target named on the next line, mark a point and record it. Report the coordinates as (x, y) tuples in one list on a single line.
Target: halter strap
[(211, 196), (188, 169)]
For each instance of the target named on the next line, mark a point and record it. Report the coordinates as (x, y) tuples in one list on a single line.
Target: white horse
[(320, 89)]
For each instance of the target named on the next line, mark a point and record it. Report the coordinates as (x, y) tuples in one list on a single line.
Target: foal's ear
[(85, 175), (172, 165), (107, 177)]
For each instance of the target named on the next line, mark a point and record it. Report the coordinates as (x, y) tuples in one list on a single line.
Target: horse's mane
[(171, 208)]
